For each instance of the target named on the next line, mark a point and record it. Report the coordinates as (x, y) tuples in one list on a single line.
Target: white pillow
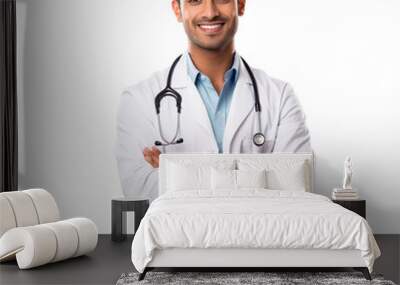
[(223, 179), (291, 178), (184, 174), (281, 174), (251, 178), (187, 177)]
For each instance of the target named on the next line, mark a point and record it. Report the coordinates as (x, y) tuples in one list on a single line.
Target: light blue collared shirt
[(217, 106)]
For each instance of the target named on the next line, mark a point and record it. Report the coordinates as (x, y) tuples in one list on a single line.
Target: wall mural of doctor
[(208, 100)]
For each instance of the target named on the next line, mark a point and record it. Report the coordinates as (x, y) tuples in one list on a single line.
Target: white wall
[(76, 56)]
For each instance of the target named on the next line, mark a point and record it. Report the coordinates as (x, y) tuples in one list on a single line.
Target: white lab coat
[(282, 120)]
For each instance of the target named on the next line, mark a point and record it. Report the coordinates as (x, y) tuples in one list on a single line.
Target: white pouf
[(31, 231)]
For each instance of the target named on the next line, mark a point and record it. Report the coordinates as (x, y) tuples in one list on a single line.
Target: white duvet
[(251, 218)]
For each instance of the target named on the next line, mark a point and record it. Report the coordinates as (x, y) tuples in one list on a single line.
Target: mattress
[(250, 219)]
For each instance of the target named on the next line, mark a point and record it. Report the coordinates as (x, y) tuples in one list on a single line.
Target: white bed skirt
[(236, 257)]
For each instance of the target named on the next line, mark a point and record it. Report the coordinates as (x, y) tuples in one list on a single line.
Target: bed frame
[(234, 259), (250, 259)]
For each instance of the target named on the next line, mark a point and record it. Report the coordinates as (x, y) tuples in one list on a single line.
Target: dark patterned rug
[(269, 278)]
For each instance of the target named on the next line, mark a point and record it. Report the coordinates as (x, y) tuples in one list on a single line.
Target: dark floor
[(110, 260)]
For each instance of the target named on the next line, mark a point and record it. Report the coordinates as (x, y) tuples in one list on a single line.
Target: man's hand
[(151, 155)]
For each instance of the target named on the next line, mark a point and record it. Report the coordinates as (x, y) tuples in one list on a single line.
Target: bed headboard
[(207, 158)]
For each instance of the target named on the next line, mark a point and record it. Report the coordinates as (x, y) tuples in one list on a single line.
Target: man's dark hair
[(179, 2)]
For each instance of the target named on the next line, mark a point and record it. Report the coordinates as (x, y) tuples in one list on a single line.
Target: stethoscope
[(258, 138)]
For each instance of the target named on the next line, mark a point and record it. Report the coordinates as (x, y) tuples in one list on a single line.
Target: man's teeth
[(211, 27)]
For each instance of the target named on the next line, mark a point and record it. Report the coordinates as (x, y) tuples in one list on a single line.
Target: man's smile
[(211, 27)]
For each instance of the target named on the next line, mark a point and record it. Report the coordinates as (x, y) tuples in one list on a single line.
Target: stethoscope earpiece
[(258, 138), (158, 143)]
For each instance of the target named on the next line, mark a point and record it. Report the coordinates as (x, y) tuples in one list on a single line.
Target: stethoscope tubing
[(169, 91)]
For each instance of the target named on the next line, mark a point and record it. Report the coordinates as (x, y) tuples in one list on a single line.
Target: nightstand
[(357, 206), (119, 207)]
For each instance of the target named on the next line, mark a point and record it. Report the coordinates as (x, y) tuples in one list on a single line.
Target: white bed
[(193, 224)]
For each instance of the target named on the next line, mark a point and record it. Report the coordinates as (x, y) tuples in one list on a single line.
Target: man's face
[(209, 24)]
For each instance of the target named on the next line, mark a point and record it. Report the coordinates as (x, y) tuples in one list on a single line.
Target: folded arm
[(292, 134), (135, 132)]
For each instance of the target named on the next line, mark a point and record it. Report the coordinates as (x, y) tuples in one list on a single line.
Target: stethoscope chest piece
[(258, 139)]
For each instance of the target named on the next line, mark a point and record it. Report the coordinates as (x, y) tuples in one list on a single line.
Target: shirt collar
[(194, 73)]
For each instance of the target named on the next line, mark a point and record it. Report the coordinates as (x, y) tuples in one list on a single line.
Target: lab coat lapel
[(242, 104), (193, 109)]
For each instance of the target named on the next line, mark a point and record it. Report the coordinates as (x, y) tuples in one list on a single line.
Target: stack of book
[(344, 194)]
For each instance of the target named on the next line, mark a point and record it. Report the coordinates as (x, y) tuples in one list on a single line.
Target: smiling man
[(221, 112)]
